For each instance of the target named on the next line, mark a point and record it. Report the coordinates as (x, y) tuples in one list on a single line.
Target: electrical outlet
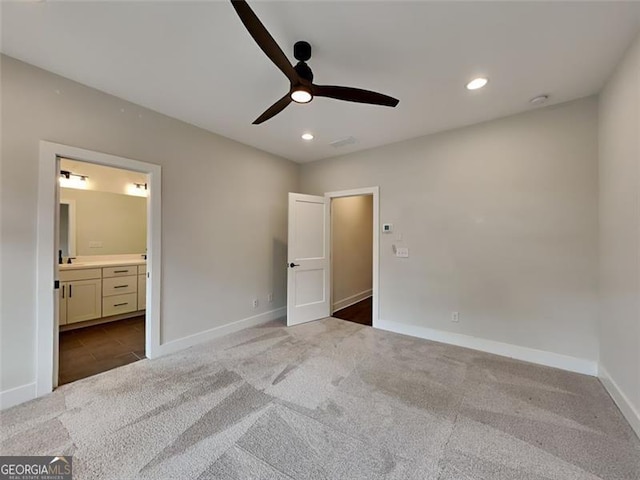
[(455, 316), (270, 298), (255, 303)]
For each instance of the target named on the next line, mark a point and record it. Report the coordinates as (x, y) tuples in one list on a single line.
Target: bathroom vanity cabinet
[(100, 292)]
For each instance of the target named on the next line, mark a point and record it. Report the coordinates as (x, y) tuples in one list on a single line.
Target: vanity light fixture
[(138, 189), (72, 180)]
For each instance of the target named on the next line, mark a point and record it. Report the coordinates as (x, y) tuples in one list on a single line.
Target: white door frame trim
[(46, 261), (375, 191)]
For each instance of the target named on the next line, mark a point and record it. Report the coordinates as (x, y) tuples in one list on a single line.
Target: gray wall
[(351, 247), (223, 218), (620, 228), (501, 222)]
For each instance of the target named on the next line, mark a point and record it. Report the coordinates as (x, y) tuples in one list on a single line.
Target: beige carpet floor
[(329, 400)]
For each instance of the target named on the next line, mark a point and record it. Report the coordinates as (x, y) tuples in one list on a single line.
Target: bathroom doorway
[(102, 251), (93, 293)]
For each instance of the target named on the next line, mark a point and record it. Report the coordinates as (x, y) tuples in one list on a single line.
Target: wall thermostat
[(387, 227)]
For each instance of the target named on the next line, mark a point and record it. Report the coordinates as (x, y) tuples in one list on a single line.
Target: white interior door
[(308, 265)]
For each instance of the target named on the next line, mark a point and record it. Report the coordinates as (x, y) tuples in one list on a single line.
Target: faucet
[(69, 260)]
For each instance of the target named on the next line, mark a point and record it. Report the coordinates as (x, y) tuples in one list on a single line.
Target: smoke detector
[(539, 100)]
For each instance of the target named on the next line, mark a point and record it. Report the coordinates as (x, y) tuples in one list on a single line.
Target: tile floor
[(90, 350)]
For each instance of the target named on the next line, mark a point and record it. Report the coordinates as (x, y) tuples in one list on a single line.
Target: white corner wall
[(224, 224), (619, 210), (500, 219)]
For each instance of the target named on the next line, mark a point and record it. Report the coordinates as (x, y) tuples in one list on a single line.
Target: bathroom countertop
[(100, 263)]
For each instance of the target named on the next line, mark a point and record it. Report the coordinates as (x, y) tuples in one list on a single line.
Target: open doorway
[(102, 252), (352, 258), (48, 287)]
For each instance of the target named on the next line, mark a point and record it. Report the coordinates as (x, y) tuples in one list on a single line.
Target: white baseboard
[(624, 404), (213, 333), (14, 396), (541, 357), (352, 300)]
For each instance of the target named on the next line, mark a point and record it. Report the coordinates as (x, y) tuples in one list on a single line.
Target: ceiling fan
[(302, 89)]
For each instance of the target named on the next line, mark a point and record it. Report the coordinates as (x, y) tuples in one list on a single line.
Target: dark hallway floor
[(91, 350), (360, 312)]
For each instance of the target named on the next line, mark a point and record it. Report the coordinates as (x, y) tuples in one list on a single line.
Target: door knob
[(293, 265)]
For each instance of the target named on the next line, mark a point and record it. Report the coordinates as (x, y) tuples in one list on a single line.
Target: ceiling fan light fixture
[(302, 89), (477, 83), (301, 95)]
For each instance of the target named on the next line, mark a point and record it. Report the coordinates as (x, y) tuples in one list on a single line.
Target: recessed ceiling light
[(477, 83), (307, 136)]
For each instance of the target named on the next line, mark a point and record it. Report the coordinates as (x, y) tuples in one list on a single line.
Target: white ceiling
[(194, 61)]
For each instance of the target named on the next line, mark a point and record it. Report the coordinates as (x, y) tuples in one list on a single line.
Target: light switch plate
[(402, 252)]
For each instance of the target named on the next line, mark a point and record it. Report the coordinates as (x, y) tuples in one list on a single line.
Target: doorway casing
[(46, 261), (375, 192)]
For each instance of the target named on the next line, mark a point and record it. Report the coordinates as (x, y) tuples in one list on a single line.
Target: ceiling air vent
[(343, 142)]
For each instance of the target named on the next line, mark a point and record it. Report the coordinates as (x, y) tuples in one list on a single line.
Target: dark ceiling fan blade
[(274, 109), (354, 95), (264, 39)]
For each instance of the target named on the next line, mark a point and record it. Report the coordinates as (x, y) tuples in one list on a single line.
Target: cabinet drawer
[(142, 269), (119, 271), (119, 285), (81, 274), (119, 304)]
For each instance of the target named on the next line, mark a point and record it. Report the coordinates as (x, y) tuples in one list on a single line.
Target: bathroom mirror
[(101, 223)]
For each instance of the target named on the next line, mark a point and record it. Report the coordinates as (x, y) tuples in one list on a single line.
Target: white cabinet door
[(308, 267), (62, 303), (142, 292), (84, 300)]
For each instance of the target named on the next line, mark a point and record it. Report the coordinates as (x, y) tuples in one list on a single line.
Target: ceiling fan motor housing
[(304, 71), (302, 51)]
